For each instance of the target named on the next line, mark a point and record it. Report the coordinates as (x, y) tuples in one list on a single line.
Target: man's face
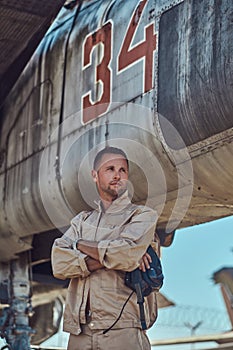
[(111, 176)]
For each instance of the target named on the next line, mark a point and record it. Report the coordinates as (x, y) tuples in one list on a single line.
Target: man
[(95, 252)]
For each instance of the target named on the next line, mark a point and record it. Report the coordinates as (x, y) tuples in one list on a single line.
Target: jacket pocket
[(112, 280)]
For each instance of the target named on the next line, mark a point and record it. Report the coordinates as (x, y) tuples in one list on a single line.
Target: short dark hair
[(108, 150)]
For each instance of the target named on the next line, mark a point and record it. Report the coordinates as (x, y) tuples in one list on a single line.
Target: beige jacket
[(124, 232)]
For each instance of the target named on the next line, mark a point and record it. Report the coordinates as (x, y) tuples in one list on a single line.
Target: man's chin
[(117, 192), (121, 191)]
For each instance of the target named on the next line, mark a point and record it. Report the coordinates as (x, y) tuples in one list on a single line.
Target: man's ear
[(94, 175)]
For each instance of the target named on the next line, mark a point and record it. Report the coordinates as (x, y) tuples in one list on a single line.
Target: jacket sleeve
[(68, 262), (125, 252)]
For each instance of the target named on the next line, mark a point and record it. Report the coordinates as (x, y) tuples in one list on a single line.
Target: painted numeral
[(130, 54), (101, 41), (103, 36)]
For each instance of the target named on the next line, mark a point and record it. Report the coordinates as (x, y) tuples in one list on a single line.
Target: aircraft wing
[(23, 25), (163, 301), (221, 338)]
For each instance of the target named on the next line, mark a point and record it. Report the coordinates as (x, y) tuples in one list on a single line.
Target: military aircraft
[(153, 77)]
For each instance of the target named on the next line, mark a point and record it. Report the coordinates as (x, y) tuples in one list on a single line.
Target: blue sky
[(189, 263)]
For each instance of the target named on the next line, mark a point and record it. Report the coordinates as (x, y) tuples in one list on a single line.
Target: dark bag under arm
[(143, 283)]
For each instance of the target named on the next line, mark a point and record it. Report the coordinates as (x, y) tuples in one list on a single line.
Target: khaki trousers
[(115, 339)]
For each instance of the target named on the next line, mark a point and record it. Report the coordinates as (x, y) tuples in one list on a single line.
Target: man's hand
[(89, 248), (145, 262), (93, 264)]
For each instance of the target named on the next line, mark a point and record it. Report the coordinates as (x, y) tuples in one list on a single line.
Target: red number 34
[(128, 56)]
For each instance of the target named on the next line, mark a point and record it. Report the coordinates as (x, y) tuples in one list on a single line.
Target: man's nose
[(117, 175)]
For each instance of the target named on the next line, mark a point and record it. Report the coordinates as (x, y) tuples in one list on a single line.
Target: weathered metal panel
[(196, 68), (126, 63)]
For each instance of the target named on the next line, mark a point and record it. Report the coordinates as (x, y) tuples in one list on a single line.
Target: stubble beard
[(115, 193)]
